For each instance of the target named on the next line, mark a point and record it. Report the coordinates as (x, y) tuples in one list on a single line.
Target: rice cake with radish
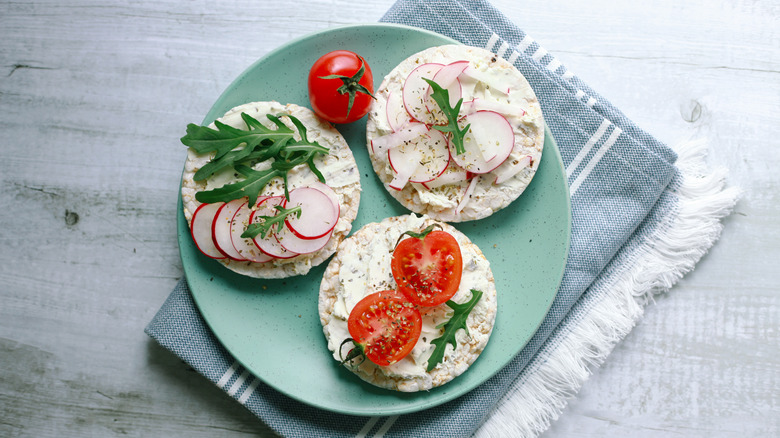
[(302, 242), (362, 267), (422, 167)]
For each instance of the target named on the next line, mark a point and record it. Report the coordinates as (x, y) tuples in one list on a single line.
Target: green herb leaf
[(264, 227), (266, 150), (351, 85), (442, 97), (420, 235), (260, 144), (456, 322), (225, 138), (250, 187)]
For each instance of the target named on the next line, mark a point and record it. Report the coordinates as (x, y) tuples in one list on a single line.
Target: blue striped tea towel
[(629, 206)]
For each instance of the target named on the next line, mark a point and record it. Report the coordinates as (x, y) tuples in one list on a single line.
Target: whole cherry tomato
[(341, 87)]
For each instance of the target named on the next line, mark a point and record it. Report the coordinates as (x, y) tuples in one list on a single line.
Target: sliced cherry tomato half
[(385, 326), (428, 269), (341, 87)]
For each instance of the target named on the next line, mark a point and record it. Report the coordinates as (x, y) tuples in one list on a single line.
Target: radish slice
[(319, 213), (428, 156), (223, 222), (506, 109), (324, 188), (415, 92), (446, 78), (200, 227), (245, 246), (451, 175), (404, 172), (490, 136), (397, 116), (409, 132), (493, 82), (467, 196), (269, 244), (510, 168), (293, 243), (448, 75)]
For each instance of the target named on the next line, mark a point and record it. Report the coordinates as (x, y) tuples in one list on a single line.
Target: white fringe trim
[(583, 342)]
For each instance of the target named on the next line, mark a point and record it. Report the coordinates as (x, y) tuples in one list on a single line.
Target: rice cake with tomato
[(362, 266), (501, 108), (338, 168)]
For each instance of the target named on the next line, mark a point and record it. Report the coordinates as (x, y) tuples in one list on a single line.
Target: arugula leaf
[(264, 227), (260, 144), (456, 322), (442, 97), (225, 138), (254, 182), (267, 149)]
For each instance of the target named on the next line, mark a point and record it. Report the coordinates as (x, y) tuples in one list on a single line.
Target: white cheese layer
[(338, 167), (492, 79), (364, 262)]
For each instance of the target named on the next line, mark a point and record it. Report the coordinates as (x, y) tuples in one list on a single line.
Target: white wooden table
[(94, 96)]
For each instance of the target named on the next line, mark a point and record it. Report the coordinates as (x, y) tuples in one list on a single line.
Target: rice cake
[(338, 167), (484, 197), (362, 267)]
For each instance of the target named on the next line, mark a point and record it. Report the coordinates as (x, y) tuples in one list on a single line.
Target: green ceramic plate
[(272, 326)]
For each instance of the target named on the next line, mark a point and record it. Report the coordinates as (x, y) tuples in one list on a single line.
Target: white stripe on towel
[(228, 374), (553, 65), (237, 384), (369, 424), (575, 163), (249, 390), (539, 54), (385, 427), (491, 42), (595, 160), (568, 75), (502, 49), (524, 43)]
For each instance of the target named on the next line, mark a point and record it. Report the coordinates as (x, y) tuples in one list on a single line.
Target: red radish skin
[(453, 174), (490, 134), (510, 168), (428, 155), (449, 74), (293, 243), (415, 92), (269, 244), (202, 234), (447, 78), (324, 188), (397, 116), (403, 173), (246, 246), (318, 213), (223, 222), (407, 133), (467, 196)]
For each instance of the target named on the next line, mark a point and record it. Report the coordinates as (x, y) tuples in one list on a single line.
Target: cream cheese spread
[(490, 79), (362, 267), (338, 168)]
